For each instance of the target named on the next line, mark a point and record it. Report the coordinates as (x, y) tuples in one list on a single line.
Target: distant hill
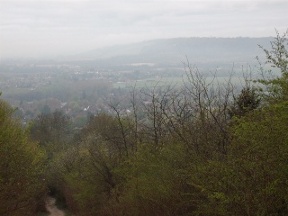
[(173, 51)]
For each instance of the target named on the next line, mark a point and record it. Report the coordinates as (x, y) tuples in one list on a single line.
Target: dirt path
[(52, 208)]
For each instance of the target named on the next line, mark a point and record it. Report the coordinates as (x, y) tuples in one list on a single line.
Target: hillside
[(173, 51)]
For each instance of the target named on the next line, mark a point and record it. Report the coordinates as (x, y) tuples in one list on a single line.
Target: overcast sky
[(37, 28)]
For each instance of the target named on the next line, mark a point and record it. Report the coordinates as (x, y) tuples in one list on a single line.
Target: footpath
[(51, 207)]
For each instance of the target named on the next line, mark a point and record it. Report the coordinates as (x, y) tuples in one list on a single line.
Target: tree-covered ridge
[(199, 149)]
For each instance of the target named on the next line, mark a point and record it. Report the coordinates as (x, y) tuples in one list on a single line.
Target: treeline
[(202, 149)]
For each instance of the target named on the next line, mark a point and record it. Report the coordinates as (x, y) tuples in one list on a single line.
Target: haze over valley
[(75, 82)]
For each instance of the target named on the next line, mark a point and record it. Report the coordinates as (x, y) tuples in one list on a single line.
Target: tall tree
[(21, 167), (277, 60)]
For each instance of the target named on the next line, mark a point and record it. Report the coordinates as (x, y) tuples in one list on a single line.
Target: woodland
[(202, 148)]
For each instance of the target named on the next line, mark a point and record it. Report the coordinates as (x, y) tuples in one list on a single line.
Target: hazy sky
[(36, 28)]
